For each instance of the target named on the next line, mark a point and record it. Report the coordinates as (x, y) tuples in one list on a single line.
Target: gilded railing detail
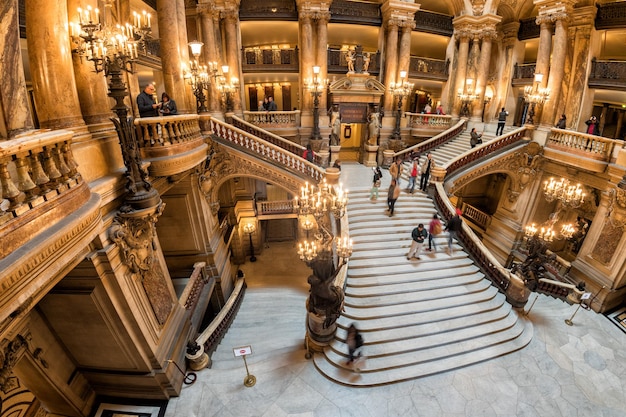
[(594, 147)]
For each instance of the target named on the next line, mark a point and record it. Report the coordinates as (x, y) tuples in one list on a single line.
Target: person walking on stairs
[(395, 170), (501, 121), (418, 235), (392, 196), (453, 228), (354, 341), (378, 175), (434, 229), (413, 173), (427, 166)]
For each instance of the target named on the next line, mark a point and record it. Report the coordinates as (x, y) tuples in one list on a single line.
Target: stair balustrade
[(590, 146), (274, 119), (265, 150), (157, 132), (435, 141)]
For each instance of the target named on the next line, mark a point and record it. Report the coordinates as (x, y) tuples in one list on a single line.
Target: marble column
[(620, 121), (322, 53), (509, 40), (15, 116), (56, 99), (172, 57), (545, 45), (482, 71), (307, 59), (230, 21), (404, 55), (209, 21), (555, 81), (605, 108), (461, 67), (91, 86), (391, 62)]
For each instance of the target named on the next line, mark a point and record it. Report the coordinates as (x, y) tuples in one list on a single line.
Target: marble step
[(400, 265), (372, 282)]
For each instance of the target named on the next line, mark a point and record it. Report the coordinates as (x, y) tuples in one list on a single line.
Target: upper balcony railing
[(424, 123), (428, 68), (523, 74), (608, 74), (582, 150), (270, 60), (274, 120), (611, 15), (337, 62), (172, 144)]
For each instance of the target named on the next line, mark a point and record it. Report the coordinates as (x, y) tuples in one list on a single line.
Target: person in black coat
[(145, 102)]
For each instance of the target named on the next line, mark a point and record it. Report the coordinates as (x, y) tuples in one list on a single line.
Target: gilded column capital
[(207, 9), (509, 33), (401, 12), (230, 15), (552, 11)]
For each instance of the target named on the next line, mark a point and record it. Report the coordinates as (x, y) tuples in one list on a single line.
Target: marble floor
[(565, 371)]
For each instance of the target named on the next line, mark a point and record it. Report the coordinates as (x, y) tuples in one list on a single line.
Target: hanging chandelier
[(569, 195)]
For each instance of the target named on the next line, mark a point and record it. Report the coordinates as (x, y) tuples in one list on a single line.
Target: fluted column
[(51, 65), (307, 58), (230, 20), (15, 116), (482, 70), (391, 62), (209, 21), (173, 55), (463, 37), (321, 51), (557, 70)]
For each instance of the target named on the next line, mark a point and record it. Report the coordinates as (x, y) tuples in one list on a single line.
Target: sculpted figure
[(373, 129)]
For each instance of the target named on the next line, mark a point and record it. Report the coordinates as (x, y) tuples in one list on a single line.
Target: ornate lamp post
[(316, 87), (467, 95), (399, 90), (325, 255), (249, 228), (535, 95), (197, 76), (226, 85), (113, 49)]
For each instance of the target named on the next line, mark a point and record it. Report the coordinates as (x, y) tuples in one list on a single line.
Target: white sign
[(242, 351), (585, 296)]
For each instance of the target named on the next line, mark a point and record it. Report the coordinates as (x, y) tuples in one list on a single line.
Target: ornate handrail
[(274, 207), (523, 73), (266, 150), (478, 217), (590, 146), (274, 119), (435, 141), (610, 74), (485, 149), (428, 68), (429, 121), (157, 132)]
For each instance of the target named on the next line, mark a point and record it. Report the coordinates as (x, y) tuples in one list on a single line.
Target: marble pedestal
[(334, 153), (370, 156)]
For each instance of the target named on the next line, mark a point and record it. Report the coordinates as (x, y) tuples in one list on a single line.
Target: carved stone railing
[(435, 141), (611, 15), (429, 22), (561, 290), (523, 74), (274, 119), (268, 208), (172, 144), (270, 60), (435, 122), (36, 170), (270, 137), (478, 217), (428, 68), (266, 150), (580, 149), (610, 75), (357, 13)]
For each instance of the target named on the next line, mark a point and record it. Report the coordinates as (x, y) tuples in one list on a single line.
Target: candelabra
[(535, 95), (569, 195), (249, 228), (467, 95), (113, 49), (400, 90), (197, 76), (307, 224), (545, 234), (226, 85), (316, 86)]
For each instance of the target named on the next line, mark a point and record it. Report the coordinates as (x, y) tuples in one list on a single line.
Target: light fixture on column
[(226, 85), (486, 100), (316, 86), (569, 195), (112, 48), (535, 95), (467, 95), (197, 76), (249, 228), (400, 90)]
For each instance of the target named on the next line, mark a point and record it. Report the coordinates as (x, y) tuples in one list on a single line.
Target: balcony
[(428, 125), (428, 68), (172, 144), (269, 60), (608, 75), (523, 74), (580, 150)]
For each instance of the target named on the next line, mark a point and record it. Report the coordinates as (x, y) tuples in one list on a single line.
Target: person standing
[(593, 126), (453, 228), (145, 102), (418, 235), (427, 165), (392, 195), (378, 175), (415, 170), (562, 123), (501, 121), (168, 106), (475, 138), (434, 229), (271, 106), (308, 153), (395, 170)]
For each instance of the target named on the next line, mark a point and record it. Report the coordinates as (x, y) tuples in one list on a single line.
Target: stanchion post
[(242, 351)]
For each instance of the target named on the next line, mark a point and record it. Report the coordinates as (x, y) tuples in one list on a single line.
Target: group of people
[(395, 170), (419, 235), (267, 104), (148, 107)]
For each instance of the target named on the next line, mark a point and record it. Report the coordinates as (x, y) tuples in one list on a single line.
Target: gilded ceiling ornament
[(478, 6)]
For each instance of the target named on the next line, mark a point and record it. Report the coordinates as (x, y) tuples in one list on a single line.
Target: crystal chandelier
[(543, 233), (535, 95), (467, 95), (569, 195)]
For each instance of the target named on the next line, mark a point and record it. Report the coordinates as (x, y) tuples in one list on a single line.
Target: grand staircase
[(417, 317)]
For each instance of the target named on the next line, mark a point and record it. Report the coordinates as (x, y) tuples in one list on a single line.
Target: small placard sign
[(585, 296), (242, 351)]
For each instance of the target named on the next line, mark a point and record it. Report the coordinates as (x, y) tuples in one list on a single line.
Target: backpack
[(436, 228)]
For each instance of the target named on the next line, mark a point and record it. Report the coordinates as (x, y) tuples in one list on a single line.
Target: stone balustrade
[(265, 208), (274, 119), (266, 150), (34, 169), (478, 217), (172, 144), (429, 121), (580, 149)]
